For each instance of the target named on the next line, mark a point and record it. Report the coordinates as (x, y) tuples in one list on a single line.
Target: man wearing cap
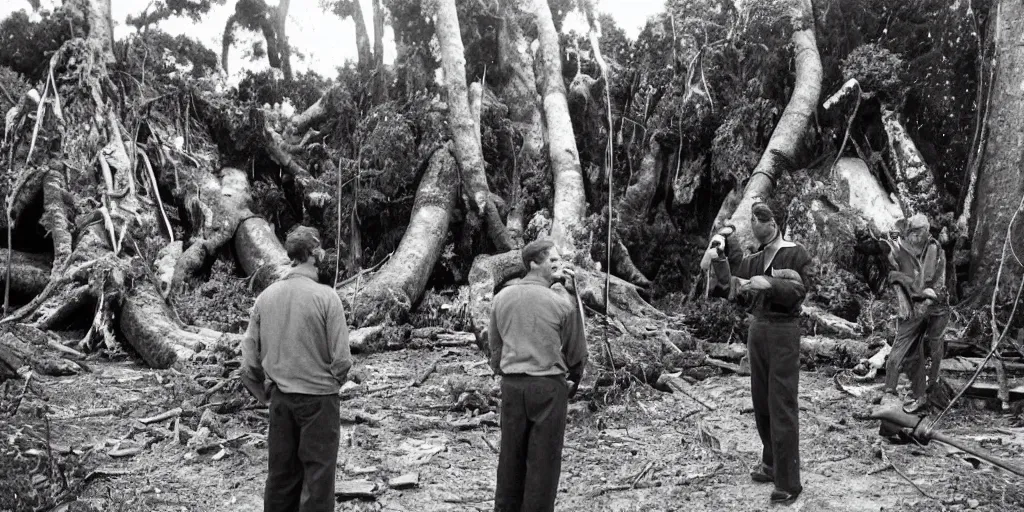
[(918, 279), (536, 340), (296, 354), (772, 283)]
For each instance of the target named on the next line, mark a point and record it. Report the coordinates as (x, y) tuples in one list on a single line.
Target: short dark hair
[(536, 251), (301, 242)]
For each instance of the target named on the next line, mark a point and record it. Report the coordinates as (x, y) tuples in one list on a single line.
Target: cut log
[(29, 273), (788, 135), (486, 276), (846, 352), (391, 292), (361, 339), (259, 252)]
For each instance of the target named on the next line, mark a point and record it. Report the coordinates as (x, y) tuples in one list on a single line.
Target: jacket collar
[(530, 279), (301, 272)]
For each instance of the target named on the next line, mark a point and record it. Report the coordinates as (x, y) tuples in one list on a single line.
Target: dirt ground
[(638, 449)]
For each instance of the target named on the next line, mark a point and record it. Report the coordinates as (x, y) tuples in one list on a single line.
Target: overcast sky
[(324, 40)]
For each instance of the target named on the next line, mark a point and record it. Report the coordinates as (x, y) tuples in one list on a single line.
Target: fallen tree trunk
[(226, 203), (29, 273), (831, 323), (391, 292), (788, 135), (259, 252), (847, 352)]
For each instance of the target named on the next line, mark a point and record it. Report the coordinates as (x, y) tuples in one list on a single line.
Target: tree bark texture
[(915, 185), (570, 203), (789, 132), (465, 132), (1000, 181), (520, 91), (29, 273), (391, 292), (866, 195)]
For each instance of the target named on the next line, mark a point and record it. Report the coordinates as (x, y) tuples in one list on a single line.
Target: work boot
[(780, 497), (916, 406), (762, 473)]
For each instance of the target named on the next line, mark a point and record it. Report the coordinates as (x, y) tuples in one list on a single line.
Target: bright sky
[(324, 40)]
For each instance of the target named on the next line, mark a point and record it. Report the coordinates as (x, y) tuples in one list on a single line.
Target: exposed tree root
[(390, 293), (146, 323), (29, 273)]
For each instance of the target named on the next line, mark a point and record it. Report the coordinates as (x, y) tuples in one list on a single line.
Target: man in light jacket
[(296, 355)]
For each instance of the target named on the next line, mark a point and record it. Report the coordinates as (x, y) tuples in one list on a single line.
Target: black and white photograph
[(512, 255)]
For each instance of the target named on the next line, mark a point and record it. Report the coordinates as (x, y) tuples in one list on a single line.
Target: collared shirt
[(786, 296), (536, 331), (297, 337)]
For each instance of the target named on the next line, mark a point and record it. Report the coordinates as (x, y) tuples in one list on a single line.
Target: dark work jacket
[(786, 296)]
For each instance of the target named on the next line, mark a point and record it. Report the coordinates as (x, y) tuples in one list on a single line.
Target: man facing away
[(536, 340), (918, 278), (772, 282), (296, 353)]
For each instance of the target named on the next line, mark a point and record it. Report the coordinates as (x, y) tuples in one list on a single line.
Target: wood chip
[(406, 481), (125, 452), (349, 489)]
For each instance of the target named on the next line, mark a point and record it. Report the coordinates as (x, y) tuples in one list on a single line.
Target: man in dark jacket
[(918, 279), (297, 349), (536, 339), (772, 282)]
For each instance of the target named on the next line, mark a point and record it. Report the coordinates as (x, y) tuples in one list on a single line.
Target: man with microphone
[(772, 283)]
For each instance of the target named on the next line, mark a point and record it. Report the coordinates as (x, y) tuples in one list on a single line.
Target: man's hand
[(713, 253), (757, 283), (574, 386)]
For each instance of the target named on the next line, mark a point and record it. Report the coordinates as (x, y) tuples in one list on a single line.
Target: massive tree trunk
[(1000, 181), (915, 185), (570, 204), (520, 91), (390, 294), (463, 123), (788, 135), (283, 49)]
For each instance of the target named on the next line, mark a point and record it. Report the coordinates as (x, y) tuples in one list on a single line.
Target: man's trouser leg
[(533, 414), (319, 420), (936, 342), (779, 344), (547, 399), (758, 350), (508, 491), (908, 335), (284, 475)]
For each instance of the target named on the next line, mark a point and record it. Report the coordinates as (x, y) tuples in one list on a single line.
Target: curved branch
[(788, 134), (226, 40)]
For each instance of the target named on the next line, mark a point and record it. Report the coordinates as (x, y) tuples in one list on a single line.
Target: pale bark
[(378, 37), (789, 132), (390, 293), (259, 252), (570, 205), (915, 185), (283, 49), (520, 91), (866, 195), (1000, 186), (465, 133), (227, 201)]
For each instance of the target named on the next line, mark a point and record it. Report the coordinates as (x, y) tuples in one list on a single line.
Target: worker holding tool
[(296, 355), (772, 282), (538, 347), (918, 278)]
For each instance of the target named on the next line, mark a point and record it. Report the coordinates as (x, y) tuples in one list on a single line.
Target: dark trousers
[(774, 351), (303, 446), (916, 339), (533, 411)]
